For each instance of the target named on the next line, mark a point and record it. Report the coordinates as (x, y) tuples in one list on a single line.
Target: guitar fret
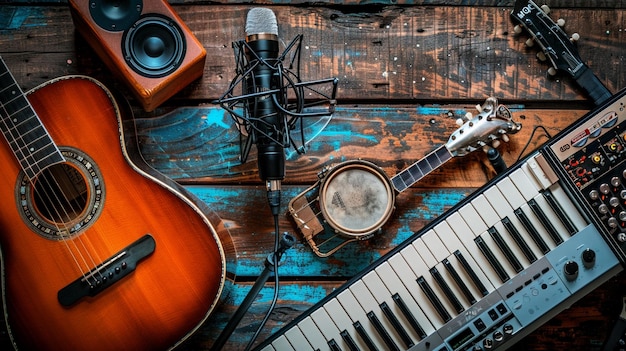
[(28, 138), (420, 169)]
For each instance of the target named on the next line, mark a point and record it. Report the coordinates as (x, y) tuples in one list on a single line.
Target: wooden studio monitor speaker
[(143, 42)]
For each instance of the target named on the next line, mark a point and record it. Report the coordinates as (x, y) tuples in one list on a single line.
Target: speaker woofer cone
[(115, 15), (154, 46)]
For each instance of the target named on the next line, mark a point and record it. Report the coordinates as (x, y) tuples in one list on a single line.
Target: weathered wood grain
[(201, 145), (391, 53)]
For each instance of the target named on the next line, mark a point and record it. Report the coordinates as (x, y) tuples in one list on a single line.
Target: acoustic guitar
[(98, 253)]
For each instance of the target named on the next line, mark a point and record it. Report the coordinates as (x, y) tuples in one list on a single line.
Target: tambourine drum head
[(356, 199)]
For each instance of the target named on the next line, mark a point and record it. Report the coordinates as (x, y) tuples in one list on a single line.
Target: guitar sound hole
[(64, 199), (60, 194)]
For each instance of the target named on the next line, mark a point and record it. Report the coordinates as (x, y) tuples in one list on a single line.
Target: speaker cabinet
[(144, 43)]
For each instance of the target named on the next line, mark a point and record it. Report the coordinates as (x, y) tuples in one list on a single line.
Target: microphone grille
[(261, 20)]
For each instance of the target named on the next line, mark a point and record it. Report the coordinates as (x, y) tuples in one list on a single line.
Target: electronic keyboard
[(496, 266)]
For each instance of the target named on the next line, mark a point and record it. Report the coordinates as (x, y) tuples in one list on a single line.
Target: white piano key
[(409, 279), (485, 211), (328, 328), (269, 348), (297, 339), (357, 314), (424, 252), (524, 185), (434, 244), (473, 219), (511, 193), (369, 304), (395, 286), (341, 319), (313, 334), (280, 344), (466, 236)]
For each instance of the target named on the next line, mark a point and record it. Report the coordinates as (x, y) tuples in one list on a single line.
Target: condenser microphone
[(270, 124)]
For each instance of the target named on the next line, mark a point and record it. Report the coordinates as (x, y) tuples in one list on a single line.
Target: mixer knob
[(612, 222), (605, 188), (571, 270), (508, 329), (622, 194), (594, 194), (603, 209), (621, 237), (589, 258), (614, 202), (622, 216), (615, 181), (488, 343)]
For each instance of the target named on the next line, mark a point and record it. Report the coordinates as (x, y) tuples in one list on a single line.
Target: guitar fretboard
[(26, 135), (421, 168)]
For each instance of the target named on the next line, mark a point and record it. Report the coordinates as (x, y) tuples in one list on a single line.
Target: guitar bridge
[(106, 274)]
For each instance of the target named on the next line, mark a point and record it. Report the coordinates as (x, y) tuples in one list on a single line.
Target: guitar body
[(117, 210)]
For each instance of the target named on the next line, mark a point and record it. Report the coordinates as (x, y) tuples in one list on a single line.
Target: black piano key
[(502, 274), (459, 281), (532, 231), (408, 315), (519, 240), (543, 218), (506, 250), (473, 276), (563, 217), (333, 345), (434, 300), (382, 331), (396, 325), (446, 290), (365, 336), (349, 341)]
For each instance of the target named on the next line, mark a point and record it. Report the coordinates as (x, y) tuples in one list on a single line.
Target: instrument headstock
[(556, 46), (493, 123)]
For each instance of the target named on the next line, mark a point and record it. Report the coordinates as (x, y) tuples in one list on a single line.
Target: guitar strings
[(63, 228)]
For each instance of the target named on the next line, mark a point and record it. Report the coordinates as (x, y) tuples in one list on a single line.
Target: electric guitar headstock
[(557, 47), (493, 123)]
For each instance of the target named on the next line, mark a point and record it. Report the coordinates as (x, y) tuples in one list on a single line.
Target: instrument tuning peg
[(545, 9), (469, 116), (459, 122), (479, 108), (560, 22), (505, 138), (575, 37), (517, 29), (495, 144), (552, 71), (530, 42), (541, 56)]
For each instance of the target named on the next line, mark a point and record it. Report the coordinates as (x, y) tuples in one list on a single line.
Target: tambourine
[(354, 198)]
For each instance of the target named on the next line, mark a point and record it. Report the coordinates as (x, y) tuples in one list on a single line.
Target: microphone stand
[(286, 242)]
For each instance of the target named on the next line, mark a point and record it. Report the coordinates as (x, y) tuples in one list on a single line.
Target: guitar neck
[(28, 138), (592, 86), (421, 168)]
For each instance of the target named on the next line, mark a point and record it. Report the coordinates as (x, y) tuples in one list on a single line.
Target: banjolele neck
[(421, 168), (99, 253), (492, 123)]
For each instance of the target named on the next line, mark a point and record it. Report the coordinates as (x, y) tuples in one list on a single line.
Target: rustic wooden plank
[(246, 214), (499, 3), (201, 145), (420, 53)]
